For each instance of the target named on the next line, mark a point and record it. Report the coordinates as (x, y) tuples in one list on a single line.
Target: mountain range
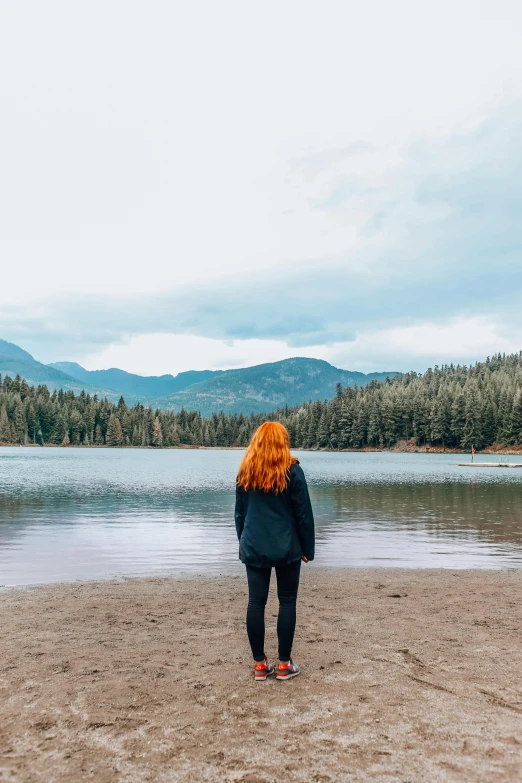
[(134, 387), (266, 387), (257, 389)]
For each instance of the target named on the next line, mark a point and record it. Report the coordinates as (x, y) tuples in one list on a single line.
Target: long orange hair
[(267, 460)]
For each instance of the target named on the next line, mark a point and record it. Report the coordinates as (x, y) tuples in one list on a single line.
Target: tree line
[(452, 406)]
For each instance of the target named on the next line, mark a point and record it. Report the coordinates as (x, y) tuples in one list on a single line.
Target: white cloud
[(402, 348), (415, 347), (154, 155), (157, 354), (148, 152)]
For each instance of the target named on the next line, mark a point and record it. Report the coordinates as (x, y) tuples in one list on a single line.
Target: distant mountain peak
[(12, 351), (265, 387), (260, 388), (145, 388)]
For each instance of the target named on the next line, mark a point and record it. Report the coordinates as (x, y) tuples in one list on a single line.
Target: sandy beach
[(407, 676)]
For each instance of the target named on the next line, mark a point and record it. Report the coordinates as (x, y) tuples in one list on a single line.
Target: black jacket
[(275, 529)]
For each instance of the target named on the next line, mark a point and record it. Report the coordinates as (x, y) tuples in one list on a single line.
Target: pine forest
[(450, 407)]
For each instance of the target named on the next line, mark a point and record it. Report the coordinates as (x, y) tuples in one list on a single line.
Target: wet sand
[(407, 676)]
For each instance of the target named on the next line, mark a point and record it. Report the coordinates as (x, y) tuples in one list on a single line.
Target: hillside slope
[(132, 386), (267, 387), (259, 389), (15, 361)]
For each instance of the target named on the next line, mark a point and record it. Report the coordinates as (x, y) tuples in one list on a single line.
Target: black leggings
[(287, 587)]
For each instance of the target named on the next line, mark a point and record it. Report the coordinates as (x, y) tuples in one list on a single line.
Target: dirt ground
[(407, 676)]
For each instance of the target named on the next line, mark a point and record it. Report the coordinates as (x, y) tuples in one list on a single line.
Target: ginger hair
[(267, 460)]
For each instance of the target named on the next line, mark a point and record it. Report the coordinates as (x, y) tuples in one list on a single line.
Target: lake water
[(68, 514)]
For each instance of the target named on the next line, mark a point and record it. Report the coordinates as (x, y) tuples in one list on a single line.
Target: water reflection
[(74, 514)]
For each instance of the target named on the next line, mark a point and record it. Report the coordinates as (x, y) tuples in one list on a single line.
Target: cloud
[(155, 354), (399, 348), (416, 347), (438, 237)]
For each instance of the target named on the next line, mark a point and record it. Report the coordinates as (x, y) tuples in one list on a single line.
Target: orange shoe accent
[(286, 671), (263, 669)]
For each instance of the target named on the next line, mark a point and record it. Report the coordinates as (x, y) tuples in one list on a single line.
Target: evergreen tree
[(345, 424), (421, 417), (157, 434), (359, 427), (220, 434), (114, 435), (515, 432), (335, 438), (374, 434), (60, 428), (458, 418), (175, 439), (489, 424), (6, 435), (505, 417), (452, 405), (76, 427), (322, 439), (89, 418), (441, 419), (472, 424), (19, 424), (31, 419), (389, 416)]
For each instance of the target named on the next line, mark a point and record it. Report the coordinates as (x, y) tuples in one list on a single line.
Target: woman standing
[(275, 528)]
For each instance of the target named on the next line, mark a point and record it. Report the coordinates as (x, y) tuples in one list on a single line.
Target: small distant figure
[(275, 528), (473, 452)]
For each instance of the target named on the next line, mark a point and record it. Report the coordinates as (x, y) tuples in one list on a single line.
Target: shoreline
[(407, 675), (397, 449), (237, 572)]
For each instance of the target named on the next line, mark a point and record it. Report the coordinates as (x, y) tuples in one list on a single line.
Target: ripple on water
[(70, 514)]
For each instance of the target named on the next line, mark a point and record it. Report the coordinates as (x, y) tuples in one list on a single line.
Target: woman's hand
[(305, 559)]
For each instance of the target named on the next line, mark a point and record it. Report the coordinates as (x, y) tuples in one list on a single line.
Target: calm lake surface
[(68, 514)]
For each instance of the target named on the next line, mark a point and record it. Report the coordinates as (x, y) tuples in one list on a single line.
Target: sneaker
[(262, 670), (287, 670)]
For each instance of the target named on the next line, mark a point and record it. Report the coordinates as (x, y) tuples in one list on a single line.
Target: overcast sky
[(219, 184)]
